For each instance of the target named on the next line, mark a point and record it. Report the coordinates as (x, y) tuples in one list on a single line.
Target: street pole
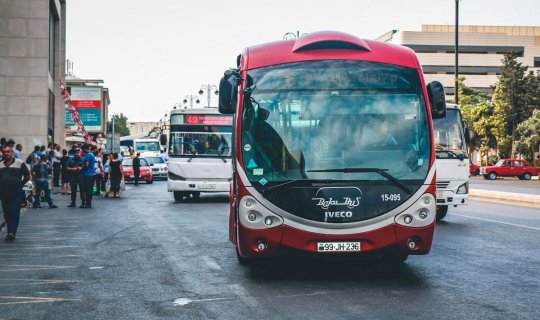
[(456, 80), (112, 138)]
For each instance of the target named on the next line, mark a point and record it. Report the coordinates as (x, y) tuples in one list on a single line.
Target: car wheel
[(179, 196), (441, 212), (527, 176), (492, 176)]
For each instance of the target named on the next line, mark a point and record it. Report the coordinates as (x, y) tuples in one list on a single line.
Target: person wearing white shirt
[(57, 151)]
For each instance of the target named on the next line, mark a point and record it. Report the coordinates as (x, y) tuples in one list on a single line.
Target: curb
[(525, 200)]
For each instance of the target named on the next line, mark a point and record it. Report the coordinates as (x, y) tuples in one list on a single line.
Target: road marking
[(242, 294), (184, 301), (32, 300), (211, 263), (95, 268), (497, 221)]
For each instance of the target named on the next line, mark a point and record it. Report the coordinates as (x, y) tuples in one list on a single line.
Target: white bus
[(199, 152), (147, 147), (452, 161)]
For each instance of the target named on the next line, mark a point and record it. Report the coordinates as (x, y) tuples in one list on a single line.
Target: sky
[(152, 54)]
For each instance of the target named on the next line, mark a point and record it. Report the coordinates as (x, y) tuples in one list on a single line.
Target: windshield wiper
[(290, 182), (380, 171), (460, 156)]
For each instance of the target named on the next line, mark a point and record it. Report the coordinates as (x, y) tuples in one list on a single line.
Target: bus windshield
[(449, 138), (312, 120), (144, 146), (200, 141)]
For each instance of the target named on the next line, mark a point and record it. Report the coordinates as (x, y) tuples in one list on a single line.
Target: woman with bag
[(115, 175)]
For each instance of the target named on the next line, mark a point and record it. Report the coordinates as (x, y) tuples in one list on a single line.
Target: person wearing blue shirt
[(88, 175)]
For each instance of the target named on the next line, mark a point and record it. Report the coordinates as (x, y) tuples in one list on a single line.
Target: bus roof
[(331, 45), (204, 110)]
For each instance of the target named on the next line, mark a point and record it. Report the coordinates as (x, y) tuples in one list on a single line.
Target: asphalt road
[(506, 184), (145, 257)]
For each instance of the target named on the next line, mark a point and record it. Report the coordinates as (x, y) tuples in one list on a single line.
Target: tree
[(512, 102), (529, 136), (120, 124), (477, 111)]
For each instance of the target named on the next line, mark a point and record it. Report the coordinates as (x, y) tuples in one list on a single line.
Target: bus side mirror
[(436, 100), (228, 91), (163, 139)]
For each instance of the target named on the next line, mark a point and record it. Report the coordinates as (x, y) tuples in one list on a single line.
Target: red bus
[(333, 148)]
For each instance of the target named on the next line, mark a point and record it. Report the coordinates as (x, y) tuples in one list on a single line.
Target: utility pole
[(456, 80)]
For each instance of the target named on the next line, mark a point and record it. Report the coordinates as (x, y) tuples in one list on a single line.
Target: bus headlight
[(254, 215), (463, 189), (420, 214)]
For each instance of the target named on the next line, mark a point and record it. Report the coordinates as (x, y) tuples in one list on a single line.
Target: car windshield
[(449, 138), (302, 118), (153, 160), (129, 162)]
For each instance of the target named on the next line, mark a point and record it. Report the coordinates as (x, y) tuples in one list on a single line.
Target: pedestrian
[(137, 168), (41, 172), (18, 151), (115, 175), (65, 173), (13, 175), (107, 160), (56, 167), (98, 170), (75, 166), (88, 175), (31, 159), (11, 143)]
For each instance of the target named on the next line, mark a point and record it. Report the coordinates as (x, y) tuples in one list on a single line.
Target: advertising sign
[(87, 100)]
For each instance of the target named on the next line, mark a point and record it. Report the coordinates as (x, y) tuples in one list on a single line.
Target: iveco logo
[(338, 196)]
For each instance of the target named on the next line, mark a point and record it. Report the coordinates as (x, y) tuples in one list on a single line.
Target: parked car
[(474, 169), (146, 171), (510, 168), (159, 167)]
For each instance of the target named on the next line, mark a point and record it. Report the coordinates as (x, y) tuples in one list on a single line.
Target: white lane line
[(185, 301), (211, 263), (242, 294), (496, 221)]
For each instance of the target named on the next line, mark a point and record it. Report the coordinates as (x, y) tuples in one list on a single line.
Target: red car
[(146, 170), (509, 168), (474, 169)]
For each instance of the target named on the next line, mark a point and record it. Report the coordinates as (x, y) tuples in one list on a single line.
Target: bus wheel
[(243, 261), (178, 196), (441, 212)]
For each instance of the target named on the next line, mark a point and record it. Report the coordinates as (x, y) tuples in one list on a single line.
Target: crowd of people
[(82, 168)]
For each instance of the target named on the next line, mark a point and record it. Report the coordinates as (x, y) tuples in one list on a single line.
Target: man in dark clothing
[(13, 175), (41, 172), (74, 166), (88, 174), (137, 168)]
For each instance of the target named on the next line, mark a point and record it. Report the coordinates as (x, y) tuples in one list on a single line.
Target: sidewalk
[(519, 199)]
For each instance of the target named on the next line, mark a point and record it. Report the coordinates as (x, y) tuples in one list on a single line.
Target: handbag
[(122, 185)]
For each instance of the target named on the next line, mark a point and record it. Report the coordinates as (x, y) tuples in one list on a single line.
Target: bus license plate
[(338, 246), (206, 186)]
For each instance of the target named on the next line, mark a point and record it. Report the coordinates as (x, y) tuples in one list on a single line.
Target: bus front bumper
[(285, 239), (199, 185)]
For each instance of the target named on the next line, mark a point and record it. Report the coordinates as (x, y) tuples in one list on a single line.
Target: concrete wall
[(24, 71)]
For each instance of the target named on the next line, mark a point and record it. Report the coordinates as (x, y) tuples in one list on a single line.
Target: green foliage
[(120, 124), (528, 133), (514, 100)]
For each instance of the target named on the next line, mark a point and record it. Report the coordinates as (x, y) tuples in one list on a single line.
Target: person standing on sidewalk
[(137, 168), (56, 162), (75, 166), (65, 173), (41, 173), (115, 174), (88, 175), (18, 151), (13, 175), (98, 170)]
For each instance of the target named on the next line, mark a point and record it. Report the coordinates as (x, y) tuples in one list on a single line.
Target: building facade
[(481, 49), (142, 128), (32, 63)]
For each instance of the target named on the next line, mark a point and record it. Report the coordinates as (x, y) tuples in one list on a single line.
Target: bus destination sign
[(209, 120)]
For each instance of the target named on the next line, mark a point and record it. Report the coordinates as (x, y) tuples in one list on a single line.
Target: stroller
[(28, 194)]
